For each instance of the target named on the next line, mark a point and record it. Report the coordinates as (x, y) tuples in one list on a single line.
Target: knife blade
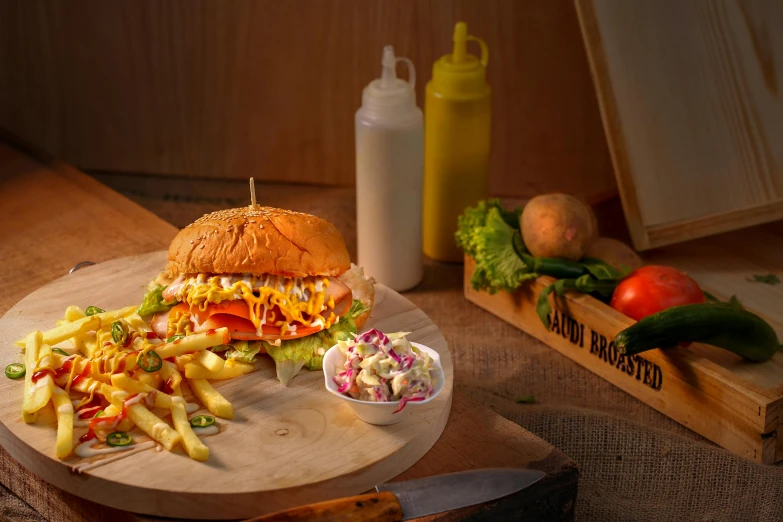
[(430, 495), (415, 498)]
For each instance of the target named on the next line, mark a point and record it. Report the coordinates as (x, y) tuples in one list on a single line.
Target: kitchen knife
[(415, 498)]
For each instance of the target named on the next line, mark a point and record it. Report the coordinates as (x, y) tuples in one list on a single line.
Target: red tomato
[(235, 315), (650, 289)]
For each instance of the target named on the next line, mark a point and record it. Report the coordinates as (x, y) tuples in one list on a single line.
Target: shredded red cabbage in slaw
[(384, 368)]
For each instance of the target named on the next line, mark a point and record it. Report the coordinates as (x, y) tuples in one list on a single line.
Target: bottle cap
[(389, 97), (459, 73)]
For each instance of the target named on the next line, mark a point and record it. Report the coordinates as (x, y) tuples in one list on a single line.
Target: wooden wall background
[(269, 88)]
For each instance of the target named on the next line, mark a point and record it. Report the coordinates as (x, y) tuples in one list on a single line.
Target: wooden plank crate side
[(680, 383)]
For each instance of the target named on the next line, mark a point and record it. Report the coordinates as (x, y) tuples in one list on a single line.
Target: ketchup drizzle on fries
[(40, 374), (115, 376)]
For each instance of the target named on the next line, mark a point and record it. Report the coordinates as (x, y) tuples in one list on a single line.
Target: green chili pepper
[(150, 361), (202, 421), (119, 331), (60, 351), (15, 371), (118, 438), (174, 338), (92, 310)]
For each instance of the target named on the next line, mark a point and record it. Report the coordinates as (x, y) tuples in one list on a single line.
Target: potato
[(558, 225), (614, 253)]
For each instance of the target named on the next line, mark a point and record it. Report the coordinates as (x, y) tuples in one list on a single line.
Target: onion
[(394, 356), (347, 384), (406, 400)]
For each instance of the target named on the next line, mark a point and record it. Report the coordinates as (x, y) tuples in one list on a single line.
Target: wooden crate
[(731, 402)]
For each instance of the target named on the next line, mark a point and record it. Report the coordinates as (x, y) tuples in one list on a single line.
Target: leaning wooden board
[(286, 446), (689, 94), (732, 402)]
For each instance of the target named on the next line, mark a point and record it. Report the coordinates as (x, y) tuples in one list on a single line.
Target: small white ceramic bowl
[(380, 413)]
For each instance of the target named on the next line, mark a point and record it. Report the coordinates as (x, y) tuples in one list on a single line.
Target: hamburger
[(280, 281)]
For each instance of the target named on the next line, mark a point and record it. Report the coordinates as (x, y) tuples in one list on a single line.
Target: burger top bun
[(259, 240)]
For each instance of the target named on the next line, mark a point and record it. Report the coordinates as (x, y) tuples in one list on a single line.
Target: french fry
[(182, 361), (194, 343), (210, 361), (64, 409), (191, 343), (32, 345), (92, 366), (232, 368), (125, 382), (125, 424), (109, 317), (86, 385), (57, 359), (36, 395), (137, 323), (86, 344), (149, 423), (196, 449), (211, 398), (170, 374), (41, 391), (84, 325), (74, 313), (184, 389), (68, 330), (152, 380), (31, 352), (160, 412)]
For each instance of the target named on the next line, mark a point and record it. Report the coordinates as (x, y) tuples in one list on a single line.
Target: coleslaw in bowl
[(382, 376)]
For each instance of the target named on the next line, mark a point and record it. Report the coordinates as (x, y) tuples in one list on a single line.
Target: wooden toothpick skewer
[(252, 193)]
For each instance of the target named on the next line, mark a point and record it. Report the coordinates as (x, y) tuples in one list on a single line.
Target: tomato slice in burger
[(244, 330), (235, 315), (235, 308)]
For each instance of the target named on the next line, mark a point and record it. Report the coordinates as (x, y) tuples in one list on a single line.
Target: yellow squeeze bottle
[(457, 119)]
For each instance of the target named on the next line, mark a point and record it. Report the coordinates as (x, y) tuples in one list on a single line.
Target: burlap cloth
[(635, 463)]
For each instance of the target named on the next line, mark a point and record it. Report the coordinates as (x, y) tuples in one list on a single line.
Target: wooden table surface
[(55, 217)]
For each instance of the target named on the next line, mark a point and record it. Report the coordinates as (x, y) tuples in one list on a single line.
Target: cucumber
[(721, 325), (555, 267)]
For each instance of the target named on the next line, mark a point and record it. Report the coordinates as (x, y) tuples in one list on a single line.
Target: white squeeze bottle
[(389, 176)]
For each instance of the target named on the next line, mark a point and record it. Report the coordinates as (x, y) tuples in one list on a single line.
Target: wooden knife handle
[(380, 507)]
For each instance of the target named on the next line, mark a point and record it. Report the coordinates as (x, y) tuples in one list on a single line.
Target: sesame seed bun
[(259, 240)]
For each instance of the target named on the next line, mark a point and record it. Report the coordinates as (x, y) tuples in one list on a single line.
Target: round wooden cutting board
[(286, 446)]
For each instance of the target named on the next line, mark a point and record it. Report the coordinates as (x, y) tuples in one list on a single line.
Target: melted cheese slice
[(305, 301)]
